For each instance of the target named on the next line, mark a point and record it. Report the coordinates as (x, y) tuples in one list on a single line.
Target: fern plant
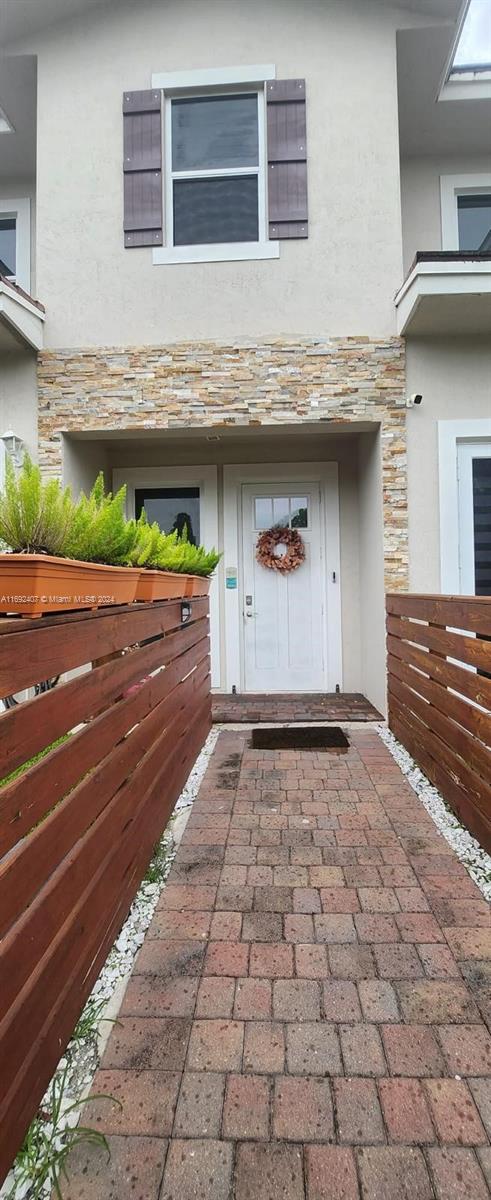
[(99, 531), (149, 543), (35, 517), (184, 557)]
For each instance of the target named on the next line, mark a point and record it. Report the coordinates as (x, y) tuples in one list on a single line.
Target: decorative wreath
[(266, 546)]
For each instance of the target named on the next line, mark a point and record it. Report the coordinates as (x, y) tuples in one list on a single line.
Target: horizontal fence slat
[(27, 1088), (57, 647), (439, 693), (449, 674), (37, 856), (75, 938), (73, 859), (455, 793), (463, 612), (30, 797), (469, 749), (472, 719), (37, 925), (37, 723), (470, 650)]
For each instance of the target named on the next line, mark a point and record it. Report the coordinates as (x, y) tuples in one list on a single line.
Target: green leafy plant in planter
[(35, 516), (149, 543), (99, 531), (62, 554)]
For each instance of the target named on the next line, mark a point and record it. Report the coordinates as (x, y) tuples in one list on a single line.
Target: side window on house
[(215, 172), (8, 246), (474, 219)]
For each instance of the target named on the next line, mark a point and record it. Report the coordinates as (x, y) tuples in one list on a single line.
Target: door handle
[(249, 613)]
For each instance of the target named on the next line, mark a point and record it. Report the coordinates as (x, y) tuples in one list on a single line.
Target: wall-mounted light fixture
[(14, 446)]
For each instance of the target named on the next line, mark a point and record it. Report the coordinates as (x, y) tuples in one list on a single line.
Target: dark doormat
[(310, 737)]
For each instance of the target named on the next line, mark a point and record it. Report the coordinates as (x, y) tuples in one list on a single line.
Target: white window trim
[(204, 477), (213, 77), (450, 435), (231, 78), (325, 473), (452, 186), (20, 208)]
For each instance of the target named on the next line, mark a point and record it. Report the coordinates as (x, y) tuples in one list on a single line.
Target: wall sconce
[(14, 446)]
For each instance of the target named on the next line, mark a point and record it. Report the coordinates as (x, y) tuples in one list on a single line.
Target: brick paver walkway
[(306, 1018), (294, 706)]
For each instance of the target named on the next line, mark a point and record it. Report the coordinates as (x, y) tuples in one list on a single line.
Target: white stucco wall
[(420, 198), (454, 378), (18, 396), (340, 281), (371, 570)]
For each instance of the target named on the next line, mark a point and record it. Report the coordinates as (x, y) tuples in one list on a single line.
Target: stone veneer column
[(208, 384)]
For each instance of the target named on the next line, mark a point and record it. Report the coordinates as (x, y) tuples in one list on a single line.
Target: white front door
[(283, 615)]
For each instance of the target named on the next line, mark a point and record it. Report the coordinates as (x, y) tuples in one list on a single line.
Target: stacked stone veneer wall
[(202, 385)]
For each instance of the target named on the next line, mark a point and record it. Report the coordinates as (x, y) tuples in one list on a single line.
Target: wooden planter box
[(161, 585), (197, 585), (33, 584)]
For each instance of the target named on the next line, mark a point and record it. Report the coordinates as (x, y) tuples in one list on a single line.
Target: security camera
[(415, 398)]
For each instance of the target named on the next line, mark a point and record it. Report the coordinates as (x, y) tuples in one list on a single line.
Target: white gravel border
[(467, 849)]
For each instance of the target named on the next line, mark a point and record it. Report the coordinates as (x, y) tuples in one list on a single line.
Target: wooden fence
[(439, 684), (78, 827)]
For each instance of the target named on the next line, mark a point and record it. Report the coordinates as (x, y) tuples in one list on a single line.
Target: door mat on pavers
[(300, 738)]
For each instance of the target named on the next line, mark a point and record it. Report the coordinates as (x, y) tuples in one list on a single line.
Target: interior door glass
[(172, 508), (263, 512), (299, 512), (281, 510)]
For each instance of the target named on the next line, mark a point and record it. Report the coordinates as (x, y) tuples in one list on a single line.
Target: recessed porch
[(323, 634)]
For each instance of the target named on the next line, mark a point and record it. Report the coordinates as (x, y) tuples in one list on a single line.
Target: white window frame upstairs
[(451, 436), (20, 209), (451, 187), (194, 84)]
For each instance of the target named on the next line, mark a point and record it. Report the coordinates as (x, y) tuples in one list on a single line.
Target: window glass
[(474, 213), (481, 487), (215, 210), (281, 510), (214, 131), (172, 508), (299, 512), (7, 245), (263, 512)]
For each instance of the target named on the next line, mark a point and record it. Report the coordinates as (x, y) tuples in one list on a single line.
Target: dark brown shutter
[(142, 168), (287, 158)]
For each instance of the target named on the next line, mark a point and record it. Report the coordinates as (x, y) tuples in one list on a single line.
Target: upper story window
[(222, 175), (474, 218), (15, 241), (215, 178), (466, 213), (8, 246)]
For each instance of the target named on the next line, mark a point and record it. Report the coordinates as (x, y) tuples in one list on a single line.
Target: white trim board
[(326, 473), (204, 477), (213, 76), (452, 186), (450, 435)]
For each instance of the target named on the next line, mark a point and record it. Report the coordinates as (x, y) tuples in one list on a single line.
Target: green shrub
[(149, 543), (35, 517), (189, 559), (99, 530)]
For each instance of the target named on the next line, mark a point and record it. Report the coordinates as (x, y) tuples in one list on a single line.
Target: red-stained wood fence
[(78, 827), (439, 686)]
